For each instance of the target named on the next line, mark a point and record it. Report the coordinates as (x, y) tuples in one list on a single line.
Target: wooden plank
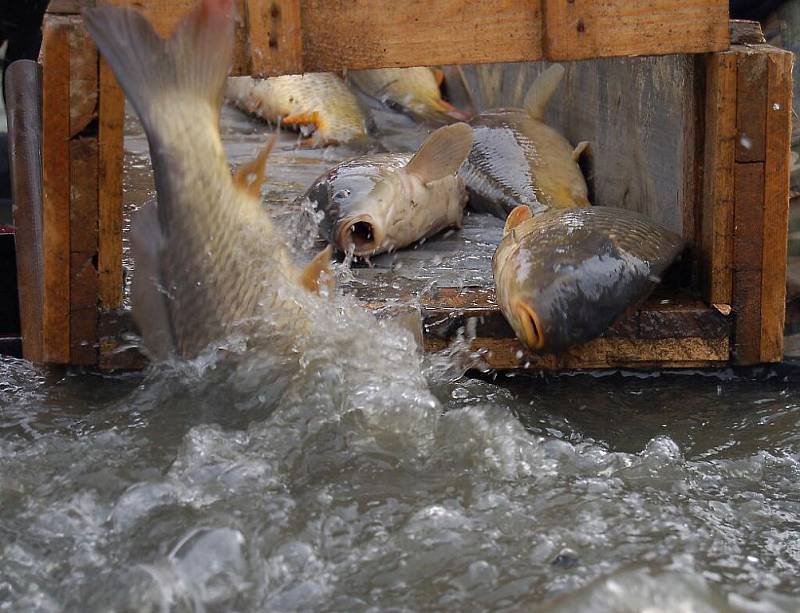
[(82, 78), (747, 260), (751, 107), (111, 116), (23, 106), (83, 281), (580, 29), (776, 204), (54, 58), (275, 36), (83, 337), (83, 194), (716, 244), (384, 33), (83, 308)]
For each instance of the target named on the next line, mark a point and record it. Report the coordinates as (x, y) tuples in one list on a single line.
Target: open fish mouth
[(360, 234), (529, 326)]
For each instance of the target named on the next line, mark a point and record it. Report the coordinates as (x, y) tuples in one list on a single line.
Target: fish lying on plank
[(208, 259), (564, 276), (385, 201), (318, 99), (518, 159), (414, 91)]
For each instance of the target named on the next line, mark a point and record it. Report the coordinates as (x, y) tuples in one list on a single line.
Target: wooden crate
[(725, 186)]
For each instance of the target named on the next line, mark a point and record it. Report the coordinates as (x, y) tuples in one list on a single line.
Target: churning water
[(368, 478)]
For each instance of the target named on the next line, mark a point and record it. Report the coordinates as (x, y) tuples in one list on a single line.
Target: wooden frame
[(740, 189)]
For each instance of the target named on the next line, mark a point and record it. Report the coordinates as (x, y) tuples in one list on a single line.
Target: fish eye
[(341, 194)]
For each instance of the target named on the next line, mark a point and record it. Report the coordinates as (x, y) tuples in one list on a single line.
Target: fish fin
[(579, 149), (318, 272), (192, 63), (442, 154), (438, 74), (516, 217), (250, 176), (299, 119), (542, 90), (148, 298)]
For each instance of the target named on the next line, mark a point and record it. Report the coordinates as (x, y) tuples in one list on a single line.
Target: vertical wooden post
[(274, 36)]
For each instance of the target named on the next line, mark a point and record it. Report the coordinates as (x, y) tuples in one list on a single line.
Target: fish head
[(356, 200)]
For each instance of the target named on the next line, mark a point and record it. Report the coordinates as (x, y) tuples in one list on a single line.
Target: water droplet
[(776, 107)]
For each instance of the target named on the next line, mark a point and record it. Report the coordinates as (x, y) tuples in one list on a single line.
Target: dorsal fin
[(318, 272), (442, 154), (516, 217), (542, 90), (250, 176)]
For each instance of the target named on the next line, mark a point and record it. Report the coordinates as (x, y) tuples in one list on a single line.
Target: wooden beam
[(111, 118), (275, 36), (751, 107), (54, 57), (581, 29), (716, 242), (82, 78), (776, 204)]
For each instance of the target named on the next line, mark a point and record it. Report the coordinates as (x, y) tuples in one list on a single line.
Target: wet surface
[(371, 479)]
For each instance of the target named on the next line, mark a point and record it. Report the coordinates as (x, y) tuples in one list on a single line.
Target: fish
[(209, 261), (414, 91), (318, 99), (386, 201), (518, 159), (564, 276)]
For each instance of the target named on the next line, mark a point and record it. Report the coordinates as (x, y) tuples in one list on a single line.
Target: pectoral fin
[(516, 217), (250, 176), (438, 74), (542, 90), (299, 119), (442, 154), (318, 274)]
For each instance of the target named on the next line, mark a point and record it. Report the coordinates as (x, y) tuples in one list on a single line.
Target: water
[(360, 476)]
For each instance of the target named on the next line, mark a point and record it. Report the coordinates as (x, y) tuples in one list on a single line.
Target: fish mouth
[(360, 234), (529, 325)]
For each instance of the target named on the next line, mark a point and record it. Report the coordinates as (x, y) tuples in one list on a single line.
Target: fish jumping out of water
[(386, 201), (414, 91), (318, 99), (518, 159), (208, 259), (563, 277)]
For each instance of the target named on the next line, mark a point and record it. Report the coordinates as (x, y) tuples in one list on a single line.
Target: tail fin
[(542, 90), (193, 61)]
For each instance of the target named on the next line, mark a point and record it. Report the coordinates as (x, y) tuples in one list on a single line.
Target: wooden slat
[(111, 116), (751, 107), (716, 244), (275, 36), (83, 194), (747, 260), (54, 57), (383, 33), (776, 204), (83, 78), (580, 29), (83, 308)]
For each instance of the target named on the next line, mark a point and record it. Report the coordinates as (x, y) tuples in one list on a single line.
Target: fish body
[(320, 99), (414, 91), (386, 201), (208, 258), (564, 276), (518, 159)]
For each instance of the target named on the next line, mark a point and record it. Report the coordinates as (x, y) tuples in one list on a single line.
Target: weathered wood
[(275, 36), (580, 29), (83, 281), (746, 32), (24, 112), (83, 308), (716, 244), (83, 194), (54, 57), (82, 78), (751, 107), (776, 204), (747, 260), (110, 132), (383, 33), (83, 337)]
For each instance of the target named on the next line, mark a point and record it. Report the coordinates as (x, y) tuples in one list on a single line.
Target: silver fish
[(386, 201)]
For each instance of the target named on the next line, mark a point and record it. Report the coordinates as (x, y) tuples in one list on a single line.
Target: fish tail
[(192, 63), (542, 90)]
